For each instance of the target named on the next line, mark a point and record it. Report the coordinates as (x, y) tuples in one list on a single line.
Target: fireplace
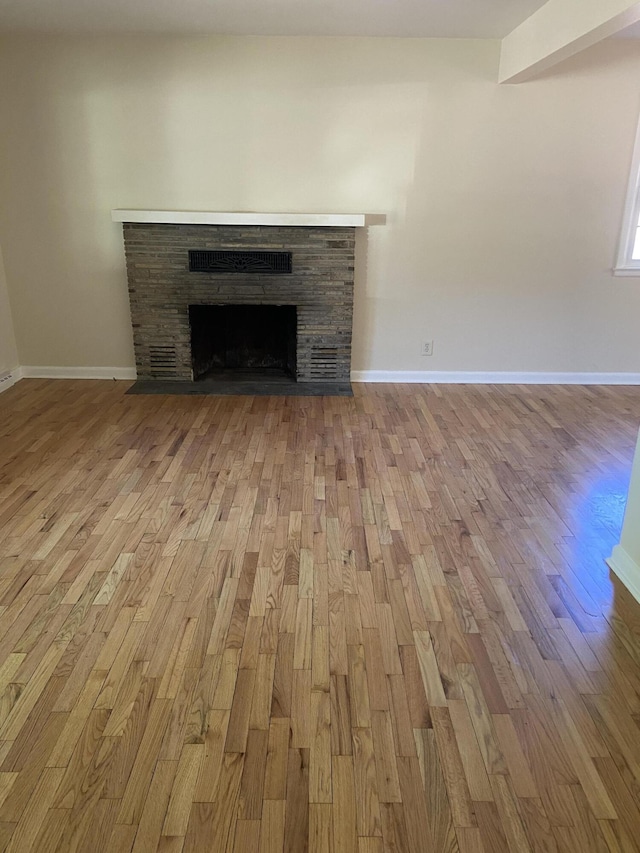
[(243, 340), (263, 294)]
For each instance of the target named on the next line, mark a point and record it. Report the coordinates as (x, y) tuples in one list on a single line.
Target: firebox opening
[(251, 339)]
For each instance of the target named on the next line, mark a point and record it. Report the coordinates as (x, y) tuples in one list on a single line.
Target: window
[(628, 262)]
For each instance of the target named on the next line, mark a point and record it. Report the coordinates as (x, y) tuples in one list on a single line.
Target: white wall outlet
[(427, 348)]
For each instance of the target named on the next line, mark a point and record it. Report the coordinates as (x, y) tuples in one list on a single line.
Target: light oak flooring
[(284, 624)]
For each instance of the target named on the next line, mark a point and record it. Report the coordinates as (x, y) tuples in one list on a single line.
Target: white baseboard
[(35, 372), (454, 377), (473, 377), (626, 569), (10, 378)]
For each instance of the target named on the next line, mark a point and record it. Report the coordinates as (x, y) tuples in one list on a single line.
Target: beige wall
[(503, 204), (8, 351)]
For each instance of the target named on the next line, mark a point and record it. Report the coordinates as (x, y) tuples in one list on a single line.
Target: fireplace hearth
[(209, 299)]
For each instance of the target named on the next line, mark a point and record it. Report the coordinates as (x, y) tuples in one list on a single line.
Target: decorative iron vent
[(228, 260)]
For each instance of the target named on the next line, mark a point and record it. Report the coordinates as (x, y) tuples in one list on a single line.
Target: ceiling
[(417, 18)]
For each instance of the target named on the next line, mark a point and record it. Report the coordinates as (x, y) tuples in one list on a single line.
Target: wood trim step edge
[(626, 568)]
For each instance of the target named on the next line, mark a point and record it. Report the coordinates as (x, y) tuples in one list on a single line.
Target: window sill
[(627, 271)]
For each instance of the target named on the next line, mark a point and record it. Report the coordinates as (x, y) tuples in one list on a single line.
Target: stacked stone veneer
[(161, 288)]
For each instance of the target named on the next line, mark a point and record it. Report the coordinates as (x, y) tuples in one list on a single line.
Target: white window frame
[(625, 264)]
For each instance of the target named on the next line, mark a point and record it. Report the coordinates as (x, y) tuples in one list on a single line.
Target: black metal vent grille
[(228, 260)]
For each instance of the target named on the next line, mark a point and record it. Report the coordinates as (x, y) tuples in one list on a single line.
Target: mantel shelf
[(204, 217)]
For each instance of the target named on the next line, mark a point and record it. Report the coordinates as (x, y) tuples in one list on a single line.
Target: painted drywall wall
[(8, 350), (502, 204)]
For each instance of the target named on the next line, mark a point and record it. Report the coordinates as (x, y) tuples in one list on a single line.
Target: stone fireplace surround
[(161, 287)]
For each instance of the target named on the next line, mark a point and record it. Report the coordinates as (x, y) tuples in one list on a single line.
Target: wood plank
[(366, 783), (344, 805), (186, 779), (320, 751)]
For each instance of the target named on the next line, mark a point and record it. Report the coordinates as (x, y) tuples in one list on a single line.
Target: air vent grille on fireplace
[(162, 360), (324, 363), (228, 260)]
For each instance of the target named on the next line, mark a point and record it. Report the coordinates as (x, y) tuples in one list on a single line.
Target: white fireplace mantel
[(205, 217)]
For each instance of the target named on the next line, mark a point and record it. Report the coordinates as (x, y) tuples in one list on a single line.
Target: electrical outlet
[(427, 348)]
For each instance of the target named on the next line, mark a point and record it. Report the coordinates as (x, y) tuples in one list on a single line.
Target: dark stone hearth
[(162, 289), (229, 387)]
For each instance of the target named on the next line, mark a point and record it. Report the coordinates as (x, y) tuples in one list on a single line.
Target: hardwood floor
[(284, 624)]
